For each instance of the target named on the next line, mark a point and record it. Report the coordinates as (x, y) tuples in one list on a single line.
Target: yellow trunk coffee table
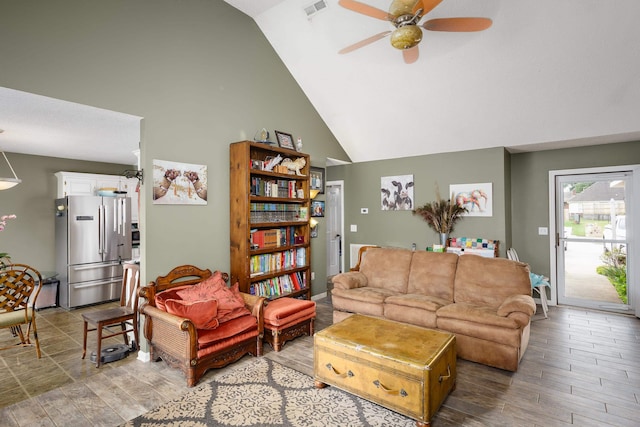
[(405, 368)]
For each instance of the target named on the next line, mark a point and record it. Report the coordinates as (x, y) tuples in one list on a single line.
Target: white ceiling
[(547, 74), (43, 126)]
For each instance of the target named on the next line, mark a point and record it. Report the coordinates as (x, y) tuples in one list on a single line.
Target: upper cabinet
[(89, 184)]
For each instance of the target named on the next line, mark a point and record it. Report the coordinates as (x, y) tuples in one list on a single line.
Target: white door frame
[(633, 224), (339, 183)]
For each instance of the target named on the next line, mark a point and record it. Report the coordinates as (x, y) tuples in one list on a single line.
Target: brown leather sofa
[(485, 302)]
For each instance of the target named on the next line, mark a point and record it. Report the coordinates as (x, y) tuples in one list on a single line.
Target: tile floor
[(582, 367)]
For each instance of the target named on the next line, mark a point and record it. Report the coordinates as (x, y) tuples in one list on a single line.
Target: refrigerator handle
[(116, 216), (123, 202), (101, 226)]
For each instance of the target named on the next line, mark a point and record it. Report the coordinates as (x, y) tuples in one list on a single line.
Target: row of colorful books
[(272, 212), (280, 285), (277, 261), (274, 237), (273, 187)]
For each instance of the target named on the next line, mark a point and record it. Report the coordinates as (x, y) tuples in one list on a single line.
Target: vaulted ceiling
[(546, 74)]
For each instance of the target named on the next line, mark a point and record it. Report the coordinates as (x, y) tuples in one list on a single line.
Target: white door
[(592, 248), (334, 220)]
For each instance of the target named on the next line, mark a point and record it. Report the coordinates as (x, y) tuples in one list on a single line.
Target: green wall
[(30, 238), (520, 191), (200, 73), (530, 191), (402, 228)]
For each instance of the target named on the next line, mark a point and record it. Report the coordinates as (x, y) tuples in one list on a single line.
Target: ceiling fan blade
[(427, 5), (365, 9), (404, 7), (457, 24), (410, 55), (364, 42)]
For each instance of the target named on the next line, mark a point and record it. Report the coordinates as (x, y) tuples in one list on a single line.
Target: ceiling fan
[(405, 16)]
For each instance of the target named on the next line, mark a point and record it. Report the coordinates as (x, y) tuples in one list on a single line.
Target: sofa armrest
[(517, 303), (176, 335), (349, 280), (149, 293), (521, 319)]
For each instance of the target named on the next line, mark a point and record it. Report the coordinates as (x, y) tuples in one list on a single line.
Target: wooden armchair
[(176, 340)]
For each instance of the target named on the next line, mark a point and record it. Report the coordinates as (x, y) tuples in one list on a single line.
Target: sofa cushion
[(432, 274), (172, 293), (479, 322), (423, 302), (478, 314), (387, 268), (238, 309), (226, 330), (415, 309), (202, 313), (489, 281), (365, 300), (230, 303), (285, 310), (203, 290)]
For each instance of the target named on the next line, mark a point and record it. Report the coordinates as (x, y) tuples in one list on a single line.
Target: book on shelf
[(303, 213), (277, 261), (274, 212), (280, 285), (273, 237), (282, 188)]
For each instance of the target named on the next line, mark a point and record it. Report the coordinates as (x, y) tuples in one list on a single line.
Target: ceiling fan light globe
[(406, 37)]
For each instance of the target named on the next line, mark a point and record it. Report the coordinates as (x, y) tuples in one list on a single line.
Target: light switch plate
[(543, 231), (354, 228)]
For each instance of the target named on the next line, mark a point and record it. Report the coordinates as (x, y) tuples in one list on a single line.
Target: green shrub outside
[(615, 269)]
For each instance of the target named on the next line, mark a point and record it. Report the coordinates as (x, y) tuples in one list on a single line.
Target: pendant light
[(6, 183)]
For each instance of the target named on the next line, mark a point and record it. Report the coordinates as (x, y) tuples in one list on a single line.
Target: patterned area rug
[(265, 393)]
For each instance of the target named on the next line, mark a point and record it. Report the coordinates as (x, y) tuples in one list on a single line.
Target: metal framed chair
[(125, 316), (20, 285), (513, 255)]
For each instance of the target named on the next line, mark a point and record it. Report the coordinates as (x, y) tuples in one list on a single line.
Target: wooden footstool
[(405, 368), (286, 319)]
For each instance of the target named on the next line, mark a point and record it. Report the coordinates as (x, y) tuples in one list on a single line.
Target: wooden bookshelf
[(269, 224)]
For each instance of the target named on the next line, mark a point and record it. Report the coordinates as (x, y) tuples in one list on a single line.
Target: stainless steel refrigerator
[(93, 238)]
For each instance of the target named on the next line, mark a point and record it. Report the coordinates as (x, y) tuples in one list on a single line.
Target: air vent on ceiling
[(315, 7)]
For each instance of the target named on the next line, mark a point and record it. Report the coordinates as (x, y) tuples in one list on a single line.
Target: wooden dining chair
[(19, 288), (125, 316)]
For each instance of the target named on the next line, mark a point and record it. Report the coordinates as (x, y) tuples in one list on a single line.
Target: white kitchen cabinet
[(88, 184)]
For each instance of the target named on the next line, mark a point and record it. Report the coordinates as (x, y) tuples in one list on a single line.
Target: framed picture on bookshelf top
[(285, 140), (317, 179)]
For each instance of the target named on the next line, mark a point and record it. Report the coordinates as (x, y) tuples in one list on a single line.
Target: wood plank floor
[(581, 368)]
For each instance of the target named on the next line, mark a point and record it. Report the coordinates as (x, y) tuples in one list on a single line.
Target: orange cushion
[(227, 330), (202, 313), (283, 326), (284, 310), (238, 311), (230, 303), (172, 293)]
